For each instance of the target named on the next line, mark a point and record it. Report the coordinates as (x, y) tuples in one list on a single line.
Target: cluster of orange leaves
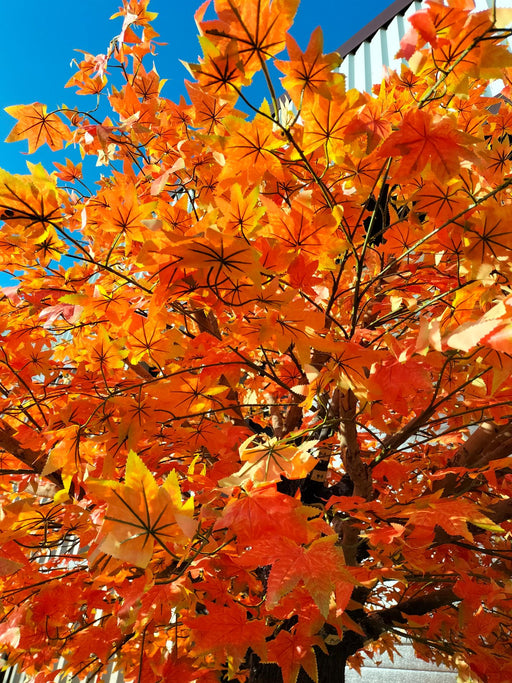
[(182, 337)]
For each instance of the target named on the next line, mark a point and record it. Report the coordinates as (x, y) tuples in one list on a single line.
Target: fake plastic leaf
[(471, 333), (307, 72), (69, 172), (8, 566), (31, 208), (452, 516), (325, 122), (37, 126), (319, 567), (291, 652), (256, 29), (268, 461), (141, 514), (229, 626), (424, 138), (265, 513)]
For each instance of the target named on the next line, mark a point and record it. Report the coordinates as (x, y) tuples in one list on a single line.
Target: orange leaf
[(423, 138), (291, 652), (319, 567), (307, 72), (229, 629), (37, 126)]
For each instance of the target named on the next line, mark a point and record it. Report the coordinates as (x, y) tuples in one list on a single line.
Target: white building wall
[(364, 66), (403, 669)]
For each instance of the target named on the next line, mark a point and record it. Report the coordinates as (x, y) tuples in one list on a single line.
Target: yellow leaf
[(143, 517), (268, 460)]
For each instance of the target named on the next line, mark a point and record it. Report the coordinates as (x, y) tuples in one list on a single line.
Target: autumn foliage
[(255, 375)]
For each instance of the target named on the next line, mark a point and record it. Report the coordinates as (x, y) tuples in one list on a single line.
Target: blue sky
[(39, 41)]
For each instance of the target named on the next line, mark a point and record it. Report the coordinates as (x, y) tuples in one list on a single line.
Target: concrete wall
[(404, 669)]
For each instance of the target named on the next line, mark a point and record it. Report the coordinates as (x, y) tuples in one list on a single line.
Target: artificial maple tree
[(255, 382)]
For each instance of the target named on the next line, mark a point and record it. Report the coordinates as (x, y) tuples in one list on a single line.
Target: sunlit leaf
[(37, 126)]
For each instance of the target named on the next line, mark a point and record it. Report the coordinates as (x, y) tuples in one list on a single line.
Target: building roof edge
[(396, 7)]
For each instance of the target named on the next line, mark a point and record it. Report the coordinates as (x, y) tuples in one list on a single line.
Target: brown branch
[(378, 622), (4, 472), (393, 441), (294, 417), (350, 453), (489, 442), (207, 322), (501, 511), (500, 448), (354, 466), (423, 604), (277, 421), (470, 453), (30, 458)]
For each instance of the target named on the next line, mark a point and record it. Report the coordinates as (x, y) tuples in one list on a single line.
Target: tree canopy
[(255, 374)]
